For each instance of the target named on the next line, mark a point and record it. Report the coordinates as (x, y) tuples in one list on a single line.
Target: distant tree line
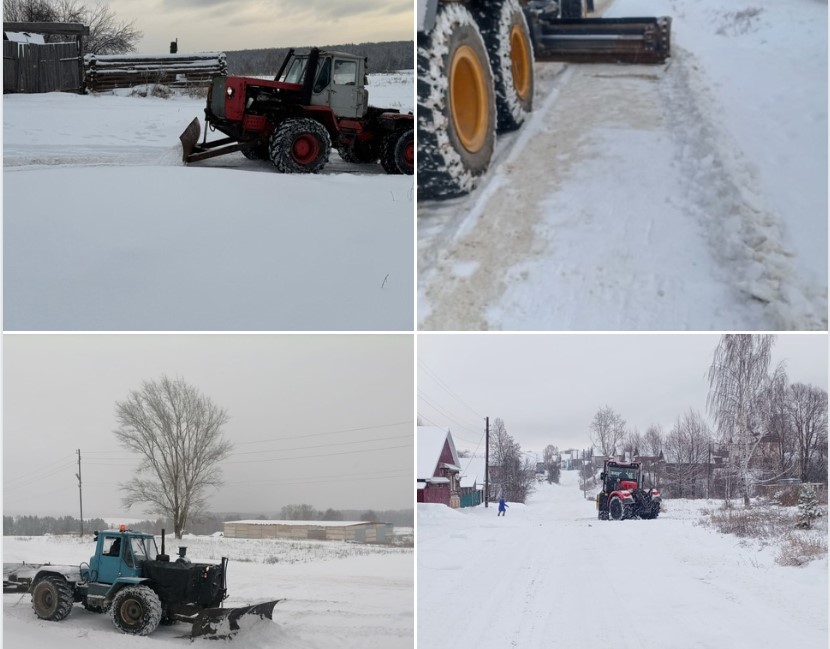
[(382, 57), (203, 524)]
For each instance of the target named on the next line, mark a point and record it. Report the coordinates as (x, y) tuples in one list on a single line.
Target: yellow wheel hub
[(468, 98), (520, 62)]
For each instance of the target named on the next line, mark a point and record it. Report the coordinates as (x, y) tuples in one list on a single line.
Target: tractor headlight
[(229, 92)]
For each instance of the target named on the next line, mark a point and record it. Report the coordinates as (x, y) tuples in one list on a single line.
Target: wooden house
[(438, 477)]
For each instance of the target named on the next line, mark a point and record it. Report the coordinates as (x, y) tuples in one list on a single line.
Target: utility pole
[(486, 461), (80, 492)]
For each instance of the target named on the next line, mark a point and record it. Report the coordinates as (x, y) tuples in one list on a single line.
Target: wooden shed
[(32, 64), (356, 531)]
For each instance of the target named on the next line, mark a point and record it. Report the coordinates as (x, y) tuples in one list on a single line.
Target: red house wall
[(436, 493)]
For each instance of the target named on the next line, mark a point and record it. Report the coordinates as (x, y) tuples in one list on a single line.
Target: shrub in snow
[(807, 507), (798, 550)]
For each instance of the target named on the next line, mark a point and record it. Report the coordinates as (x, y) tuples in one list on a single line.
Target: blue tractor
[(139, 587)]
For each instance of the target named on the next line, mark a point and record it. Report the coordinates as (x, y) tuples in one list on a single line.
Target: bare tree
[(607, 431), (807, 408), (515, 472), (653, 440), (739, 384), (550, 459), (107, 34), (687, 446), (177, 432)]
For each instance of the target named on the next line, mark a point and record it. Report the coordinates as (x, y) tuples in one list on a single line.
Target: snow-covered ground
[(337, 595), (549, 574), (106, 229), (691, 195)]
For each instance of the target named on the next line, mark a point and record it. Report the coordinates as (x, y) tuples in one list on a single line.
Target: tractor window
[(323, 75), (295, 71), (112, 546), (143, 549), (345, 73)]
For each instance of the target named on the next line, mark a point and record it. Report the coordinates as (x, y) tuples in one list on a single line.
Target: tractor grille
[(217, 97)]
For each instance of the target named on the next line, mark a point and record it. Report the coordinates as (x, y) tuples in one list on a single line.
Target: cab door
[(112, 549), (340, 85)]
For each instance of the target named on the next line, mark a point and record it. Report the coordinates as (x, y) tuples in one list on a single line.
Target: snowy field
[(549, 574), (688, 196), (337, 595), (106, 229)]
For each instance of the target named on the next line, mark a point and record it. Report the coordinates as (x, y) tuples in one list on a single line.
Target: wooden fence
[(28, 67), (175, 70)]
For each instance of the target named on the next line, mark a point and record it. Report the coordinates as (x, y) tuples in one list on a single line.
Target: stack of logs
[(107, 72)]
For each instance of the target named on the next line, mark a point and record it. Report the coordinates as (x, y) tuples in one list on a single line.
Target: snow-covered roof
[(314, 523), (472, 470), (430, 443), (25, 37), (438, 480)]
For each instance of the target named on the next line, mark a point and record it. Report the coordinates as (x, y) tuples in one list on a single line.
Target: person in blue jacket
[(502, 507)]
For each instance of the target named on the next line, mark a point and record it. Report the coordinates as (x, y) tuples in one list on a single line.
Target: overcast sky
[(221, 25), (547, 388), (291, 399)]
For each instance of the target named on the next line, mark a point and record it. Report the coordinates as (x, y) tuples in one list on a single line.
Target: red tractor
[(317, 100), (623, 495)]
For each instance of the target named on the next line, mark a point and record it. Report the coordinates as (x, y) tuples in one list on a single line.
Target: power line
[(319, 455), (302, 448), (444, 386), (327, 432), (447, 415)]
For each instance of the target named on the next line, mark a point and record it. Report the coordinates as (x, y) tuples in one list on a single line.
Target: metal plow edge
[(603, 40), (221, 623), (190, 138)]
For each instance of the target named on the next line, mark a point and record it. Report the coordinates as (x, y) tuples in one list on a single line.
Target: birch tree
[(177, 433), (739, 384)]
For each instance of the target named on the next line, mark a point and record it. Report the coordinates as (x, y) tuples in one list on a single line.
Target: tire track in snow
[(619, 206)]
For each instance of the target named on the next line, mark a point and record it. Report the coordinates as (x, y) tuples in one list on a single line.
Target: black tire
[(573, 9), (616, 509), (359, 153), (456, 105), (300, 146), (398, 153), (507, 37), (256, 153), (136, 610), (52, 599)]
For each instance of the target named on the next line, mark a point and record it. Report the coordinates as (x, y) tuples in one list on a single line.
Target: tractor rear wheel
[(456, 105), (507, 37), (52, 599), (136, 610), (398, 155), (300, 146), (616, 509)]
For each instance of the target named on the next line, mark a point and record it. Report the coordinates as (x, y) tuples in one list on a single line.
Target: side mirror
[(95, 535), (602, 476)]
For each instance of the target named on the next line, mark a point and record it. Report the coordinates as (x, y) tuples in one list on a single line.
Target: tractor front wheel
[(259, 152), (300, 146), (136, 610), (616, 509), (52, 599)]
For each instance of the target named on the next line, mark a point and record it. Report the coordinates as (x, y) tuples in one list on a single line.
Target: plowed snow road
[(550, 574), (632, 200)]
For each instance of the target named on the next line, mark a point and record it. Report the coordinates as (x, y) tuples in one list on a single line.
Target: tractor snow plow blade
[(224, 622), (602, 40), (190, 138)]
